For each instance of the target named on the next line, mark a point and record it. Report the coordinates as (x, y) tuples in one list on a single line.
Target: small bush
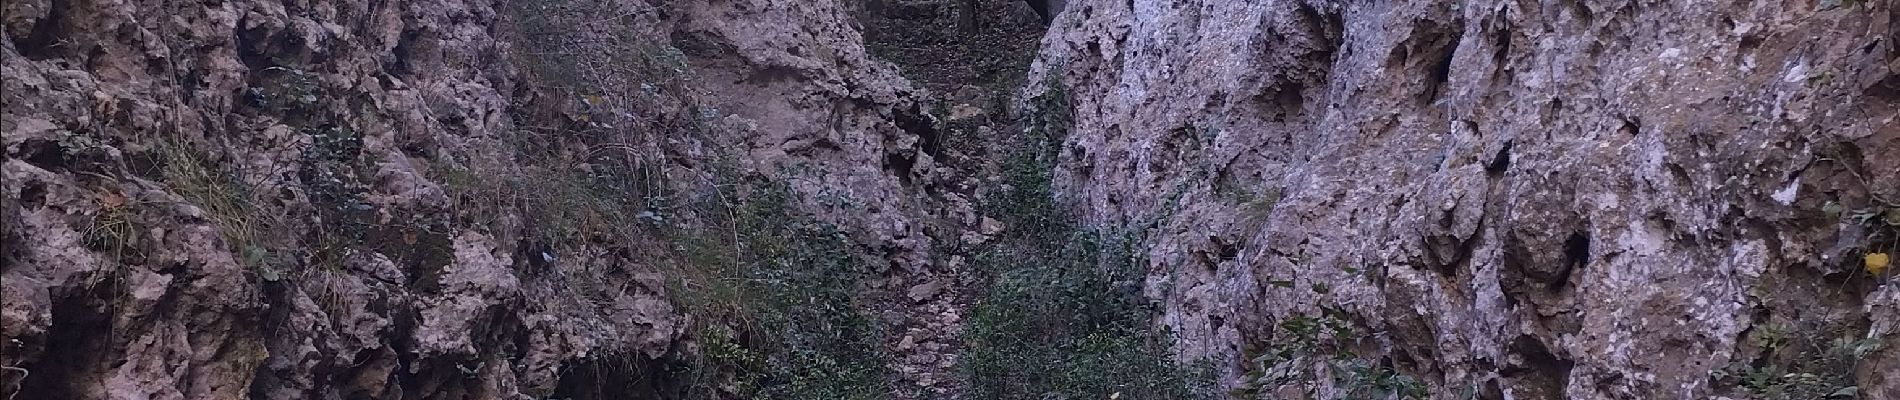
[(1809, 361), (787, 285), (774, 291), (1302, 343)]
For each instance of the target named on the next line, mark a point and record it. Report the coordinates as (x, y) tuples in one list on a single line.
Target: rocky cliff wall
[(1500, 199), (742, 199), (434, 199)]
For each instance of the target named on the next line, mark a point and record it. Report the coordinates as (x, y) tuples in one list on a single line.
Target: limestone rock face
[(1572, 199), (1500, 199), (268, 199)]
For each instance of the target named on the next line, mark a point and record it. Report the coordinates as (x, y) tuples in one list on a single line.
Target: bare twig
[(23, 374)]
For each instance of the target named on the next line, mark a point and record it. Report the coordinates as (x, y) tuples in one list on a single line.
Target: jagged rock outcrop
[(1559, 199), (470, 199), (326, 200)]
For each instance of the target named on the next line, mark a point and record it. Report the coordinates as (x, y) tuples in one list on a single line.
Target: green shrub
[(1062, 315), (796, 282), (1069, 325), (1809, 360), (1310, 349)]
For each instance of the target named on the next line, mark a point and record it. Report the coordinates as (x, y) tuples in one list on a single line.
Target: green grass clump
[(1062, 315), (774, 292), (1810, 360), (228, 203), (788, 287), (1069, 325)]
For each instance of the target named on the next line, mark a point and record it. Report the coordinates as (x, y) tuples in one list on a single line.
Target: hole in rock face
[(33, 195), (1501, 162), (1632, 126), (73, 346), (1426, 56), (48, 37), (1440, 74), (1503, 39), (46, 154), (900, 165), (1226, 251), (916, 122), (1576, 256), (1536, 369)]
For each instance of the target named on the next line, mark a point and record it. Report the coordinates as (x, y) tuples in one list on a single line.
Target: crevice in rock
[(914, 121), (1427, 55), (1224, 250), (1632, 126), (45, 154), (252, 45), (1576, 256), (1283, 103), (1500, 162), (1886, 90), (1177, 148), (1580, 9), (614, 376), (80, 336), (900, 165), (1534, 370), (280, 369), (1328, 30), (33, 195), (1314, 41), (1440, 74), (1491, 391), (1449, 253), (401, 56), (1501, 36), (49, 36)]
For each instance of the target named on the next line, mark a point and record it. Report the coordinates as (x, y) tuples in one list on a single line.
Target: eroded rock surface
[(1572, 199), (398, 200), (273, 199)]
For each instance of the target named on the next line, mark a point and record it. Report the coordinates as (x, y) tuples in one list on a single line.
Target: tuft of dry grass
[(228, 203)]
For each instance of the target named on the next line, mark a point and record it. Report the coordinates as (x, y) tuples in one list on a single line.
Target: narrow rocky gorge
[(949, 199)]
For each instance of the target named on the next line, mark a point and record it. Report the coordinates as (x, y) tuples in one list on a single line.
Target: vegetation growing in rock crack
[(1310, 349), (1062, 315), (788, 287), (1881, 222), (1801, 360), (774, 294)]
